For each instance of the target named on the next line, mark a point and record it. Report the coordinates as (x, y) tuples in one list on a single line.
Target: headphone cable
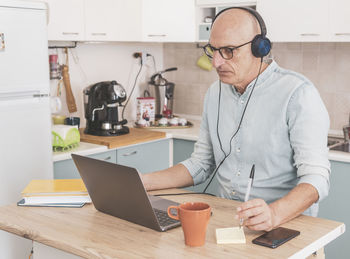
[(238, 128), (225, 155)]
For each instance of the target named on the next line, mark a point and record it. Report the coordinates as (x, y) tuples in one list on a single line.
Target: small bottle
[(54, 67)]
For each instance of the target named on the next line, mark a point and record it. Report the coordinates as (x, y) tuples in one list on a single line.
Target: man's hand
[(257, 215)]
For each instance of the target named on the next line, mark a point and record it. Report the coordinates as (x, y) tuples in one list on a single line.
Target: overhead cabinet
[(66, 20), (339, 18), (102, 20), (306, 21), (168, 20), (120, 20)]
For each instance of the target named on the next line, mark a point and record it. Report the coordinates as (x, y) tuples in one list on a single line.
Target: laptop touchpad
[(161, 203)]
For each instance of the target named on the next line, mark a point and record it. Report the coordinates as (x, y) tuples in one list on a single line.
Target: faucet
[(346, 131)]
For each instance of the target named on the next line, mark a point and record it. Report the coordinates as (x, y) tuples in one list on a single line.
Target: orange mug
[(194, 218)]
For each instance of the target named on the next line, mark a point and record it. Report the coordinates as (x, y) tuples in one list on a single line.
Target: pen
[(249, 186)]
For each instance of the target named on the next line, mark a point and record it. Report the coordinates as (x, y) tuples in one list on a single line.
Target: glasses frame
[(221, 48)]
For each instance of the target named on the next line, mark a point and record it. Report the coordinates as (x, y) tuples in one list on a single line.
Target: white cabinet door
[(339, 18), (295, 20), (66, 20), (130, 20), (168, 20), (102, 19)]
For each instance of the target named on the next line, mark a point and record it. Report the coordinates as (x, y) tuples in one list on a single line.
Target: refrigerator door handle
[(22, 95), (40, 95)]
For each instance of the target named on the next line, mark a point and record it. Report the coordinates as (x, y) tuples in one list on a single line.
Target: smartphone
[(276, 237)]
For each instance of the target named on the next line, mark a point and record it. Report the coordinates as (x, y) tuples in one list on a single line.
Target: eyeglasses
[(225, 52)]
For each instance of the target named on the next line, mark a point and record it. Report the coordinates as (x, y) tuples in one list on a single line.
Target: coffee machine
[(164, 93), (102, 102)]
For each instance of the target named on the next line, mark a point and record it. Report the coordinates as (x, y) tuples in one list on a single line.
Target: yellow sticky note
[(230, 235)]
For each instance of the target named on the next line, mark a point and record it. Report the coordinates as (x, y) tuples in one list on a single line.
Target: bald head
[(235, 23)]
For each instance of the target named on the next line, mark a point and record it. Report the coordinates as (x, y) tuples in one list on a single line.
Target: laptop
[(118, 190)]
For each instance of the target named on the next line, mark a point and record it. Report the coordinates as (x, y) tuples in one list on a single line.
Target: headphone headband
[(249, 10)]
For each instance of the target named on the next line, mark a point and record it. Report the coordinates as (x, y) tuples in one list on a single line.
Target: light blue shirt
[(283, 132)]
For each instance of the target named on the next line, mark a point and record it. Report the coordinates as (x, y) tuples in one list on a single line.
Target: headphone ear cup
[(261, 46)]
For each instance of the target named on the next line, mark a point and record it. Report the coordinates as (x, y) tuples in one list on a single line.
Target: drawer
[(66, 169), (147, 157)]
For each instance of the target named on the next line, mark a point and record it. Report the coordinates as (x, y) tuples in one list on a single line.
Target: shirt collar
[(262, 78)]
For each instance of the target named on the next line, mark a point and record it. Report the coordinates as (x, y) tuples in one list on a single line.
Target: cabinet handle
[(343, 34), (156, 35), (130, 153), (107, 158), (309, 34), (70, 33), (98, 34)]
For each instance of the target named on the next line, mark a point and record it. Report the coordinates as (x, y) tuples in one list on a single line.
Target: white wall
[(94, 62)]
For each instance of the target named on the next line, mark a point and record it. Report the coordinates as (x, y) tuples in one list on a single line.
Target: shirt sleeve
[(308, 123), (201, 163)]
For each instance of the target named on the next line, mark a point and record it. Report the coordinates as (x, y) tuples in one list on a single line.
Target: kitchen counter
[(184, 133)]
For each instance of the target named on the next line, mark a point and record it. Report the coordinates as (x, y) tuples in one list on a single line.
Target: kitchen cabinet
[(295, 20), (182, 149), (168, 20), (336, 207), (101, 20), (339, 18), (112, 20), (66, 20), (146, 157), (120, 20), (306, 21), (94, 20), (66, 169)]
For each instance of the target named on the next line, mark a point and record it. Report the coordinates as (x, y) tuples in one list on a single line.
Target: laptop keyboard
[(163, 218)]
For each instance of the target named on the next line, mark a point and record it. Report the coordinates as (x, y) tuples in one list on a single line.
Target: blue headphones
[(261, 45)]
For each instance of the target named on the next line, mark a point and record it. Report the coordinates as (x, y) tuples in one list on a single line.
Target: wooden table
[(88, 233)]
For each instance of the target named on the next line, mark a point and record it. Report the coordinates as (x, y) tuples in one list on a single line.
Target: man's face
[(237, 70)]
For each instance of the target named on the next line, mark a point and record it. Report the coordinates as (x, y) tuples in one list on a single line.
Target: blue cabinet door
[(66, 169), (183, 150), (146, 157), (337, 207)]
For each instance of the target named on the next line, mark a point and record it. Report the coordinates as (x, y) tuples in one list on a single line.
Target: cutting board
[(134, 137)]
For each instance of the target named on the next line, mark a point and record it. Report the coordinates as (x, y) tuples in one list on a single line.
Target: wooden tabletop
[(134, 137), (91, 234)]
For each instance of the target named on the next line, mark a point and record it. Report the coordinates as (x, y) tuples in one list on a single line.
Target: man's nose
[(217, 60)]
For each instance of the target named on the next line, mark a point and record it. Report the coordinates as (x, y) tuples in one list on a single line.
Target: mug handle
[(172, 215)]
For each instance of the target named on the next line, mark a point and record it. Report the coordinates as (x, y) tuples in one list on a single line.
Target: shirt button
[(238, 173), (242, 101), (238, 150)]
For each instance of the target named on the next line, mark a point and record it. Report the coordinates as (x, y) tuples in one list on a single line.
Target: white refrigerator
[(25, 126)]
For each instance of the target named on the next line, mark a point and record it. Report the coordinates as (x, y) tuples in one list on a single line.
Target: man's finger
[(251, 204), (256, 220), (251, 212)]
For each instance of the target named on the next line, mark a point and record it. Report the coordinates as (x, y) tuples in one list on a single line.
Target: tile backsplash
[(327, 65)]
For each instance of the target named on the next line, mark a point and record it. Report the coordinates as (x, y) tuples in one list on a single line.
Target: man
[(283, 132)]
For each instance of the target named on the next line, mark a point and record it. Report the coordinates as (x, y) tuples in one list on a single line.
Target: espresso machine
[(102, 102), (163, 91)]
